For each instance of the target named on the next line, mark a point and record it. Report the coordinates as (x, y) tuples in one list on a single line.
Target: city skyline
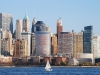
[(74, 14)]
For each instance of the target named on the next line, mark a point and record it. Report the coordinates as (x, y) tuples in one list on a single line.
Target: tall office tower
[(96, 46), (43, 43), (59, 26), (6, 22), (65, 44), (27, 37), (87, 39), (20, 48), (7, 42), (26, 23), (78, 43), (39, 26), (33, 24), (54, 47), (18, 29), (33, 44)]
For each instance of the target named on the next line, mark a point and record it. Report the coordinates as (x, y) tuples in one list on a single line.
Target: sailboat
[(48, 67)]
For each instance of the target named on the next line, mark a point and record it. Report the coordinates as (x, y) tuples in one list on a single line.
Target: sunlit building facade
[(26, 24), (78, 43), (54, 46), (27, 37), (43, 43), (65, 43), (96, 46), (18, 29), (20, 48)]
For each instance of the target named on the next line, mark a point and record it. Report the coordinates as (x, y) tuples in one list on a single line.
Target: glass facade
[(39, 26), (6, 22), (88, 36)]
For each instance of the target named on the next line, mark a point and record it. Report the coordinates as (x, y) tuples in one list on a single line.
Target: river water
[(56, 71)]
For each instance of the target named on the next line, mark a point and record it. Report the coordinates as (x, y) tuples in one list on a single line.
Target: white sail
[(48, 65)]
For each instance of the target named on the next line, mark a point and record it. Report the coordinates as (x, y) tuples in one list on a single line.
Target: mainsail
[(48, 65)]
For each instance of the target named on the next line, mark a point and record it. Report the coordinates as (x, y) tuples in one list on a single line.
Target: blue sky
[(75, 14)]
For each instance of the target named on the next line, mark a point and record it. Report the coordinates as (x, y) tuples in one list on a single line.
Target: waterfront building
[(6, 22), (26, 23), (96, 46), (33, 24), (33, 44), (43, 43), (5, 60), (18, 29), (27, 37), (54, 46), (78, 43), (20, 48), (85, 57), (65, 44), (55, 60), (88, 39)]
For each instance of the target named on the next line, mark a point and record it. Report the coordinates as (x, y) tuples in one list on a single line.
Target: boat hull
[(48, 69)]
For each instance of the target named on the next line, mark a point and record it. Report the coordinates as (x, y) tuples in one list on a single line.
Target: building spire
[(26, 16)]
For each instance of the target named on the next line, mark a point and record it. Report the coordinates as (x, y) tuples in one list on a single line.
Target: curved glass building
[(43, 43), (39, 26)]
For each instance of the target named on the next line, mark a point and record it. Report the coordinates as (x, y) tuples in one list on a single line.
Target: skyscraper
[(43, 43), (40, 26), (33, 24), (18, 29), (27, 37), (33, 44), (6, 43), (6, 22), (26, 23), (65, 43), (87, 39), (78, 43), (54, 47), (59, 26)]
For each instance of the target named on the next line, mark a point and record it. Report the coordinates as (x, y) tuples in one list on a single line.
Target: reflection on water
[(56, 71)]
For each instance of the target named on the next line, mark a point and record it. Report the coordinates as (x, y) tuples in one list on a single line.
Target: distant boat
[(48, 67)]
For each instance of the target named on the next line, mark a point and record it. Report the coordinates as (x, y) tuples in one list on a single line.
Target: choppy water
[(56, 71)]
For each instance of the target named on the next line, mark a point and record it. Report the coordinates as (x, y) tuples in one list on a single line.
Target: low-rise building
[(85, 57)]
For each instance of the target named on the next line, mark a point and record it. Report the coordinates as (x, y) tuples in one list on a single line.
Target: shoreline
[(54, 66)]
